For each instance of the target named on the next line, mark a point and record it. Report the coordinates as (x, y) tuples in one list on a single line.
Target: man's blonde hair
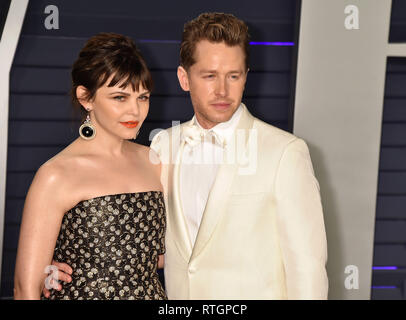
[(214, 27)]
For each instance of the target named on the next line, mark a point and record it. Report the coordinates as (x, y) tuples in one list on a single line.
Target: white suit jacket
[(262, 234)]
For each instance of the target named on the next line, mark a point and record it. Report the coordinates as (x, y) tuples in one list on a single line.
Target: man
[(244, 215), (239, 229)]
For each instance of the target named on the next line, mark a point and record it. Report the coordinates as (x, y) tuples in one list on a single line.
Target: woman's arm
[(161, 261), (154, 159), (42, 217)]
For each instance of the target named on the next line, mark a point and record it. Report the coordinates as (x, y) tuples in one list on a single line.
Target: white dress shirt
[(198, 171)]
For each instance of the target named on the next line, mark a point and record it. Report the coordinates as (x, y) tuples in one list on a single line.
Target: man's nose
[(221, 87)]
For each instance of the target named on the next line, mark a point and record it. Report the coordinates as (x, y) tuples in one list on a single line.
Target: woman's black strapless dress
[(112, 244)]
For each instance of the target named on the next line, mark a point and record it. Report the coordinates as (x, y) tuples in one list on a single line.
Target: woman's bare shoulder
[(56, 174), (146, 153), (47, 187), (61, 163), (149, 158), (52, 171)]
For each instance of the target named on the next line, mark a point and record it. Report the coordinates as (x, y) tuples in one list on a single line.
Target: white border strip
[(8, 45)]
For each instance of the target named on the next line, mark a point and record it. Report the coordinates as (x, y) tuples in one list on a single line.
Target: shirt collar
[(224, 129)]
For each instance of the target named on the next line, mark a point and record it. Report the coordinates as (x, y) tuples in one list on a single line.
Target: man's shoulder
[(165, 138), (269, 132), (166, 133), (278, 141)]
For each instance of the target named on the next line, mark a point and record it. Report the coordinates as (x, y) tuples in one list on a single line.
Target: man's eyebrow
[(214, 71)]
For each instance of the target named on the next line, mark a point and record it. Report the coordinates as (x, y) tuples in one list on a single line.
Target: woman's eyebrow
[(120, 92)]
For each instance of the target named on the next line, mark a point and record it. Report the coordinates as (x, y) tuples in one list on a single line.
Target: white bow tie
[(194, 135)]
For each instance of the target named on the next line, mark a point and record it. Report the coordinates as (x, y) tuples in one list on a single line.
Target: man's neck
[(204, 124), (209, 125)]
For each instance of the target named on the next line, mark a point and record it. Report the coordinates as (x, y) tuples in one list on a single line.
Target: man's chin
[(222, 118), (225, 115), (215, 117)]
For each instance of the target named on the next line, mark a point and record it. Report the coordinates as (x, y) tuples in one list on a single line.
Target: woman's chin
[(129, 136), (128, 133)]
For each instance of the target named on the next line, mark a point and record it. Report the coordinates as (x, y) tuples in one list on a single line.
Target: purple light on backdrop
[(385, 268), (253, 43), (384, 287)]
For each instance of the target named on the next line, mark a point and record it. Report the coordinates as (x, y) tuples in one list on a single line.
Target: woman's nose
[(135, 108)]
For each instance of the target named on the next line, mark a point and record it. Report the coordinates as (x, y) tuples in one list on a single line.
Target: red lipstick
[(130, 124)]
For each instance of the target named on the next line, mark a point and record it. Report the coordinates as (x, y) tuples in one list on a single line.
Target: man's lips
[(130, 124), (221, 105)]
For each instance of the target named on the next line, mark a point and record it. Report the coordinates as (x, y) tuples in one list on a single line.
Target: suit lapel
[(220, 191), (178, 220)]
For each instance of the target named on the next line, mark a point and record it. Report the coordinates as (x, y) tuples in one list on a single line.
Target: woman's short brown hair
[(214, 27), (104, 55)]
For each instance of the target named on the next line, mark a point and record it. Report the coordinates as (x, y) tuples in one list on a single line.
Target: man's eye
[(144, 98), (119, 98), (235, 77), (209, 76)]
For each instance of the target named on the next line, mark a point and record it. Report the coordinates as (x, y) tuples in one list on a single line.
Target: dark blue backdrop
[(389, 282), (42, 122), (41, 118)]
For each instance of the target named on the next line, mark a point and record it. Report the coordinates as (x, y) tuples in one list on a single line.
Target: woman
[(98, 204)]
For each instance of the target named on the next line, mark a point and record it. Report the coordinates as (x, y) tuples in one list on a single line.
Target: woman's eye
[(119, 98)]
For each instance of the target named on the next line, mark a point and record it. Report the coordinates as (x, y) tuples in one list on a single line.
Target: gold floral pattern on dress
[(112, 244)]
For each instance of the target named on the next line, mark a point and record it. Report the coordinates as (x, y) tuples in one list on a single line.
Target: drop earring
[(86, 130)]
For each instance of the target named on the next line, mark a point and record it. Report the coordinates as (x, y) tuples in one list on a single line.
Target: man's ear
[(183, 78), (81, 94)]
